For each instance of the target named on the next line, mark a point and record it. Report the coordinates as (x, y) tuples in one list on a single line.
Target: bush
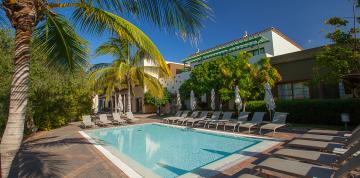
[(326, 112), (55, 97)]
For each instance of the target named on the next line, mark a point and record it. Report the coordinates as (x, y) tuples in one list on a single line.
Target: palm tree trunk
[(129, 96), (23, 18)]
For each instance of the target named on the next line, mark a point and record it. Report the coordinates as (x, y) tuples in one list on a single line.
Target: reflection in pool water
[(169, 151)]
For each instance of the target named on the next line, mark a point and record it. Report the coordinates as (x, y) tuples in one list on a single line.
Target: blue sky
[(301, 20)]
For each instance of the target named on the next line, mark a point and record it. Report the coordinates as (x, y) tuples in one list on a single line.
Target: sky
[(301, 20)]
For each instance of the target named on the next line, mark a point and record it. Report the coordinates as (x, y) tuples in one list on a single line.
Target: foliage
[(337, 61), (125, 72), (6, 65), (224, 73), (55, 97), (313, 111), (152, 100), (64, 48)]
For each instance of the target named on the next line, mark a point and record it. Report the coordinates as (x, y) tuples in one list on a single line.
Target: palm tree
[(55, 36), (127, 71)]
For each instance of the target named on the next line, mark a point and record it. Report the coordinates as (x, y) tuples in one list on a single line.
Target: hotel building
[(294, 64)]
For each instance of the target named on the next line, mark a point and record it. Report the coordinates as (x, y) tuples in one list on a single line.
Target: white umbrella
[(269, 100), (192, 100), (213, 99), (120, 104), (238, 100), (95, 104), (178, 100)]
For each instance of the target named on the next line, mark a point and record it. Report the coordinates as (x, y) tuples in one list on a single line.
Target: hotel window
[(301, 90), (285, 91), (257, 51), (262, 50), (298, 90)]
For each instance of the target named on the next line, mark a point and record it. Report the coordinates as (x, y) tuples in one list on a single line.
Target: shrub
[(327, 112), (55, 97)]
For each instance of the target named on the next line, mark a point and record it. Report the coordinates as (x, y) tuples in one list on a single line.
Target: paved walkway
[(64, 152)]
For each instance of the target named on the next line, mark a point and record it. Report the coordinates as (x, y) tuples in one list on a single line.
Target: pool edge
[(115, 160), (215, 166)]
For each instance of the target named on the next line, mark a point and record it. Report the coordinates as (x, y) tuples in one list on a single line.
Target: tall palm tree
[(127, 71), (56, 37)]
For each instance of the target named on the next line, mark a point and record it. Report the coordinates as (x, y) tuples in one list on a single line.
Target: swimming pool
[(157, 150)]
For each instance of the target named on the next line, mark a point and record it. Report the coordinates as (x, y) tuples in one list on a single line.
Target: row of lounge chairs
[(198, 118), (104, 121), (314, 154)]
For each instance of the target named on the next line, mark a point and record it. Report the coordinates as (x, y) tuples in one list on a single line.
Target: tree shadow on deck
[(28, 163), (38, 158)]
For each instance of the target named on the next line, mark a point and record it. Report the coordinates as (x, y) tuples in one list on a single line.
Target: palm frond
[(98, 66), (97, 20), (115, 47), (184, 17), (58, 39)]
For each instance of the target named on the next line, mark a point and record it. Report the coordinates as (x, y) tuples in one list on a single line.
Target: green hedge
[(325, 112)]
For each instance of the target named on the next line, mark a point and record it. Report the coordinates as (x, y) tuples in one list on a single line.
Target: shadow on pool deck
[(61, 152), (30, 163)]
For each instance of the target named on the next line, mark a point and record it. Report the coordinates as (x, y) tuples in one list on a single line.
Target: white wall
[(282, 46), (173, 84)]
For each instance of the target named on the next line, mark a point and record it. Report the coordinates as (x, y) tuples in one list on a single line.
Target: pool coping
[(211, 169)]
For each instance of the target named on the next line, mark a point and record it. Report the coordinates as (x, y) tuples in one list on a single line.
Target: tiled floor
[(64, 152)]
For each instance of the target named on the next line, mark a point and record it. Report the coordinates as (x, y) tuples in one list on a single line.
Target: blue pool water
[(170, 151)]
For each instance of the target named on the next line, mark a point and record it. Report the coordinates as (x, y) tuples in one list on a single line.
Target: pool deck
[(64, 152)]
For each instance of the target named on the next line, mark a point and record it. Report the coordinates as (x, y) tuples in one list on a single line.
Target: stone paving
[(64, 152)]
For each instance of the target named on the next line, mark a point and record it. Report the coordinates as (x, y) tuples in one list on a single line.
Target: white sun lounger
[(278, 121), (117, 119), (182, 121), (255, 121), (243, 116), (103, 120), (202, 117), (87, 121)]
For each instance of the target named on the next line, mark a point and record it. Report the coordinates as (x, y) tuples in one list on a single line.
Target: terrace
[(64, 152)]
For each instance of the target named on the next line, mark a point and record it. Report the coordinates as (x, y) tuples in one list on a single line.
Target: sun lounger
[(330, 138), (314, 145), (214, 117), (278, 121), (256, 120), (177, 114), (87, 121), (300, 169), (202, 117), (226, 118), (243, 116), (316, 157), (117, 119), (332, 132), (323, 145), (248, 176), (183, 115), (103, 120), (130, 117), (182, 121)]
